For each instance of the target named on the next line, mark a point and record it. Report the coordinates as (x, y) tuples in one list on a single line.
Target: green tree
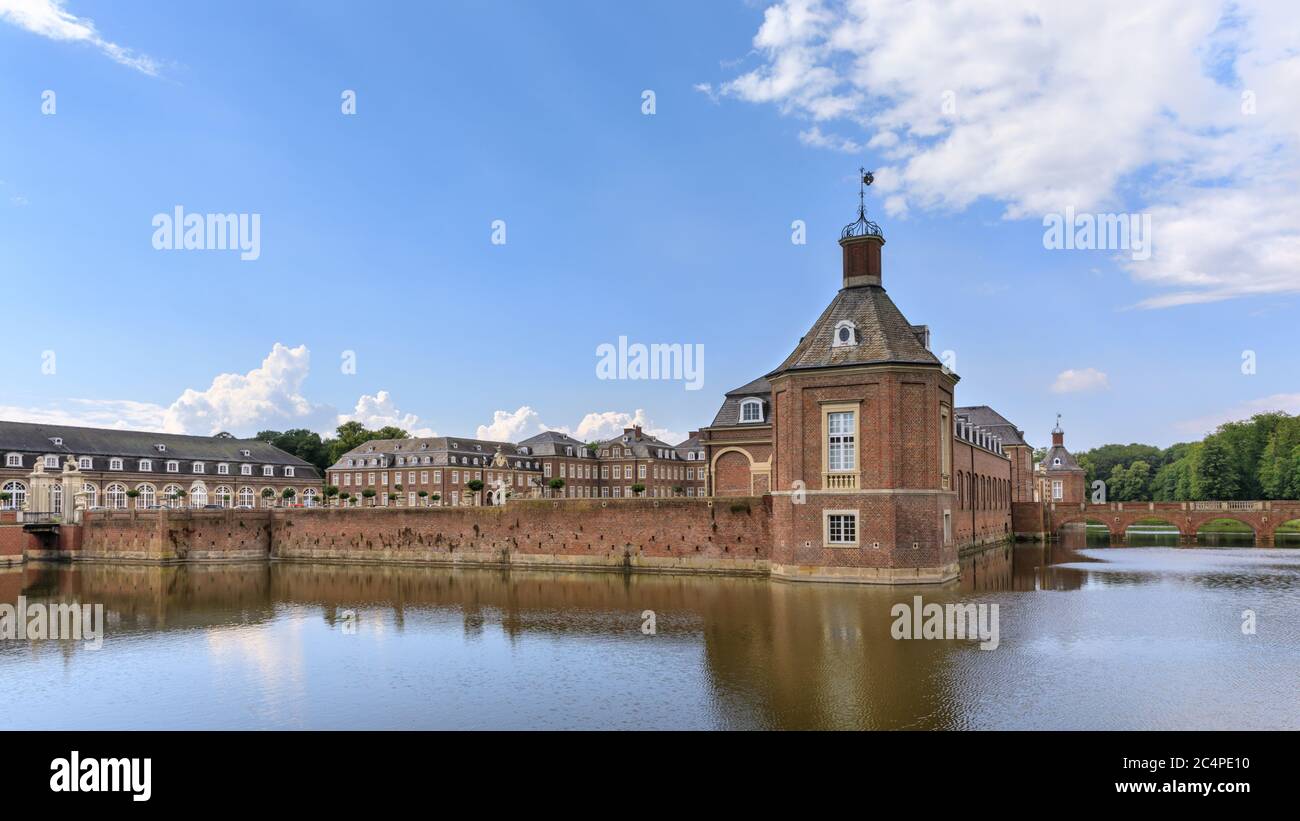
[(368, 493), (638, 488), (303, 443), (555, 485), (1215, 476)]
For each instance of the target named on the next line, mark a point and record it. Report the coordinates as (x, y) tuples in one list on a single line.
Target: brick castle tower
[(862, 432)]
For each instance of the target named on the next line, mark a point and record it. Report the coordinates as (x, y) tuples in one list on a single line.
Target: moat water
[(1090, 637)]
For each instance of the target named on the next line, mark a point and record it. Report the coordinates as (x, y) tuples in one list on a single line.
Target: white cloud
[(266, 397), (1076, 381), (508, 426), (121, 414), (269, 397), (512, 426), (815, 138), (49, 18), (1285, 402), (1184, 109), (378, 411)]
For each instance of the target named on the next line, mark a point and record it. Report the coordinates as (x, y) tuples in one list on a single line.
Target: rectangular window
[(246, 470), (347, 480), (288, 471), (114, 464), (146, 464), (617, 492), (947, 527), (604, 471), (410, 477), (268, 470), (51, 461), (840, 442), (198, 467), (455, 477), (223, 470), (383, 477), (371, 478), (562, 472), (842, 528), (640, 471), (424, 477), (1058, 490), (945, 449), (618, 471), (546, 470), (437, 477), (84, 464)]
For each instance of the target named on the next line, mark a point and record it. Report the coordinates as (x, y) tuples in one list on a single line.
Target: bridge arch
[(1287, 534), (1083, 519), (1154, 521), (1221, 521)]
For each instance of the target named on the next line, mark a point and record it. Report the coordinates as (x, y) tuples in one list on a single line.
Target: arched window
[(115, 496), (56, 498), (18, 495), (224, 496), (245, 497), (92, 494), (170, 497), (148, 496), (309, 497), (198, 496), (751, 410)]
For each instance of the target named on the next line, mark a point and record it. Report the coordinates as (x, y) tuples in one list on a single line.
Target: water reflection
[(1091, 636)]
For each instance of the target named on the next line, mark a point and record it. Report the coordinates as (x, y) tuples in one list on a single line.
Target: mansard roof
[(553, 443), (985, 417), (38, 437), (885, 335), (729, 414), (438, 448)]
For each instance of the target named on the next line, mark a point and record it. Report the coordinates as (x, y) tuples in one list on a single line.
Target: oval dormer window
[(1056, 463), (846, 334)]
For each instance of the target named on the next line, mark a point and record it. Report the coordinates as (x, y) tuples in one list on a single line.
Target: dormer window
[(85, 463), (14, 460), (173, 467), (146, 465), (288, 471), (161, 448), (115, 464), (58, 441), (1056, 463), (199, 467), (51, 462), (245, 453), (223, 469), (846, 334), (751, 410)]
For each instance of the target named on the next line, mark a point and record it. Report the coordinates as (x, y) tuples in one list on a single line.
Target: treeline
[(322, 453), (1255, 459)]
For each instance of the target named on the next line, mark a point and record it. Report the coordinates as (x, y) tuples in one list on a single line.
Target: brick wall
[(732, 535)]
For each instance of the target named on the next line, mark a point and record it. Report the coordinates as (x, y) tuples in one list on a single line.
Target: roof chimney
[(861, 241)]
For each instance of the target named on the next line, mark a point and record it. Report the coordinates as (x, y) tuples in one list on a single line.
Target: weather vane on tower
[(862, 227)]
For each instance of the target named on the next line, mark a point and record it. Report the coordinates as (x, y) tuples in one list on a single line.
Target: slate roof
[(691, 445), (885, 334), (643, 448), (34, 437), (1067, 460), (439, 449), (553, 443), (729, 414), (994, 422)]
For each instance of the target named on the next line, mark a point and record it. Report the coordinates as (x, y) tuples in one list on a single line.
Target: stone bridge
[(1187, 517)]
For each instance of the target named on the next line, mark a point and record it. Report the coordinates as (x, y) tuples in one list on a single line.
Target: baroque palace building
[(412, 472), (44, 465)]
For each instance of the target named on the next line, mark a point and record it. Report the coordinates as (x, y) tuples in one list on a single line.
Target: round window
[(844, 334)]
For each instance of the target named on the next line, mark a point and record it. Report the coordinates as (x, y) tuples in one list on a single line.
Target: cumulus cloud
[(269, 396), (512, 426), (49, 18), (378, 411), (1186, 111), (1077, 381)]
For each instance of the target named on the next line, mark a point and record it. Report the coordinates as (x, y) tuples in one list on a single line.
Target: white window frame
[(115, 464), (198, 467), (268, 470), (13, 460), (173, 467), (146, 465), (288, 472), (829, 527), (751, 404)]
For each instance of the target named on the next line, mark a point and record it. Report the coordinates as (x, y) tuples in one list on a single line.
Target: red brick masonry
[(731, 535)]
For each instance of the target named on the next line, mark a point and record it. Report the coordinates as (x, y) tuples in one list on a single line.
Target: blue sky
[(669, 227)]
